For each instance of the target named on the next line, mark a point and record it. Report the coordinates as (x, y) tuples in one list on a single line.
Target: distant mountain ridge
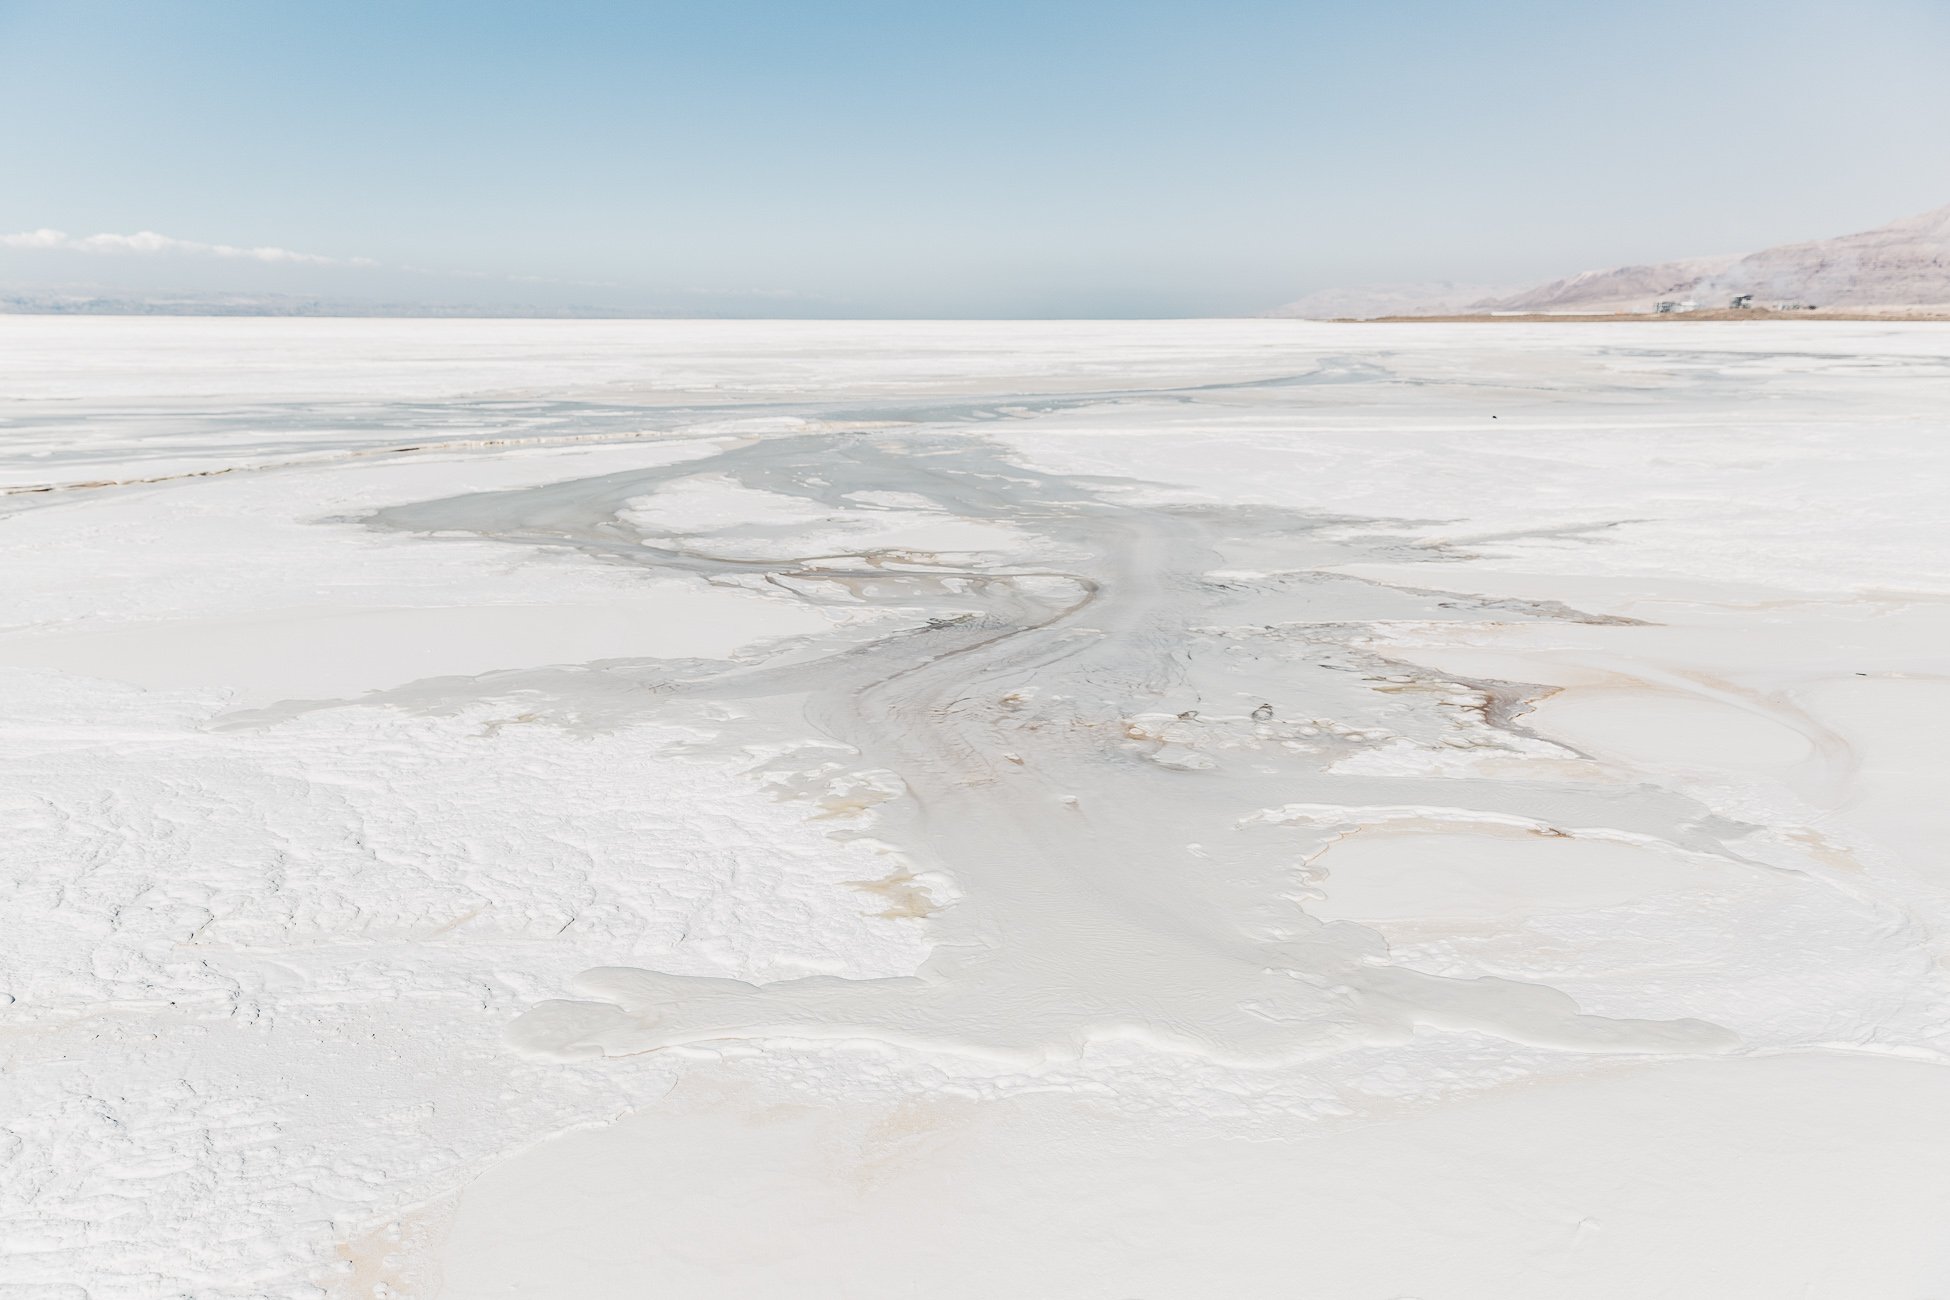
[(1622, 288), (1904, 265)]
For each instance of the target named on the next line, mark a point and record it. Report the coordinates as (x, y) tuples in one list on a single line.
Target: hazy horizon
[(859, 160)]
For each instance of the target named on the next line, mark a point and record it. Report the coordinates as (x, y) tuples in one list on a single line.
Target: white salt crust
[(753, 809)]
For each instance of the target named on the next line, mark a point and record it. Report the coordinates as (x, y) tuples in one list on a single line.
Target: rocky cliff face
[(1621, 288), (1905, 264)]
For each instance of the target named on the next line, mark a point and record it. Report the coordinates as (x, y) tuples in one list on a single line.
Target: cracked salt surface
[(1193, 801)]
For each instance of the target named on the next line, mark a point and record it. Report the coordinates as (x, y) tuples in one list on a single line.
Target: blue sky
[(932, 158)]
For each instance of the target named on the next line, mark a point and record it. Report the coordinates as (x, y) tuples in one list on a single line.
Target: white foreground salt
[(1748, 1179), (1166, 810)]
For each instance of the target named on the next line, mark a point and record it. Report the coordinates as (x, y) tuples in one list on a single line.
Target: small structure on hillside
[(1741, 301), (1667, 306)]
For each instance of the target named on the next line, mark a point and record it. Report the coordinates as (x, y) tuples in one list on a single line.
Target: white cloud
[(149, 242)]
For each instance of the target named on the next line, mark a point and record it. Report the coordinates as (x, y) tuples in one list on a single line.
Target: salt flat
[(1162, 809)]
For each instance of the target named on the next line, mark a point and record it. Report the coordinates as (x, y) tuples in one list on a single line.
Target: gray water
[(1075, 747)]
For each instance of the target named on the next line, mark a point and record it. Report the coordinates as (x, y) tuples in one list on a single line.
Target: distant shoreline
[(1453, 318), (1716, 314)]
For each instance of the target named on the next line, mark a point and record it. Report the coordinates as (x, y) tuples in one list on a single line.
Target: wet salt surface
[(1019, 720), (1030, 760)]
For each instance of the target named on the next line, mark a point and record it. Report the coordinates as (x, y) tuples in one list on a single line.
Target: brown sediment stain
[(850, 804), (1829, 766), (836, 794), (907, 898), (493, 726), (399, 1255), (455, 924), (1498, 704), (1312, 871), (1824, 850), (1546, 611), (907, 1135), (1411, 688)]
